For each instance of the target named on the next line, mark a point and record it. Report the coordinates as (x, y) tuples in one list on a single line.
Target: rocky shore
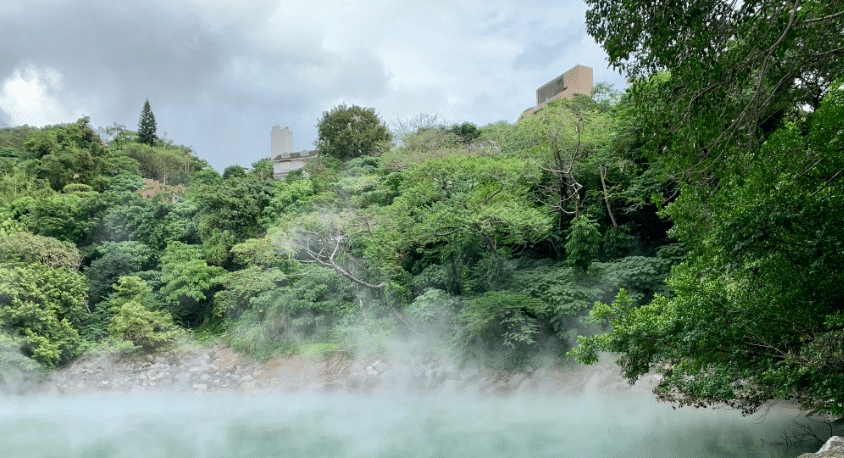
[(219, 369)]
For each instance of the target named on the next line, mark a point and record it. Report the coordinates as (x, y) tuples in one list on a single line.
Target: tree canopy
[(347, 132), (741, 104)]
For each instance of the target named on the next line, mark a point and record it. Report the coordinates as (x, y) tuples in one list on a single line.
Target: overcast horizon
[(219, 74)]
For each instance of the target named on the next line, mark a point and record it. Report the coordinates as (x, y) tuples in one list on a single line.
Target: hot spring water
[(341, 425)]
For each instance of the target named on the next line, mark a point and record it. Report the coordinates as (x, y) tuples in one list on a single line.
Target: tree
[(189, 283), (112, 261), (566, 134), (43, 306), (146, 126), (168, 165), (232, 210), (467, 213), (746, 116), (26, 248), (348, 132), (734, 69), (134, 318), (69, 153)]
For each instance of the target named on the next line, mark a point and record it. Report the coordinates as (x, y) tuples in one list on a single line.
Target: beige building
[(284, 159), (576, 80)]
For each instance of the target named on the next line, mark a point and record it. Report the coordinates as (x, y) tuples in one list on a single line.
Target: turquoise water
[(399, 425)]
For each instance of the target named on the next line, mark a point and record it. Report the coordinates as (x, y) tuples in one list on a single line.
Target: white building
[(284, 159)]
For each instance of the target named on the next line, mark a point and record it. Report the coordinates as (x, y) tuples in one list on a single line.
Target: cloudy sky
[(219, 74)]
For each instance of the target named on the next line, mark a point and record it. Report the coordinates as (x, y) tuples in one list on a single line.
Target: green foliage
[(736, 71), (260, 253), (23, 248), (290, 197), (582, 242), (242, 287), (434, 313), (466, 132), (18, 181), (44, 308), (113, 260), (347, 132), (566, 293), (502, 325), (459, 211), (146, 126), (67, 217), (156, 224), (280, 319), (9, 225), (70, 153), (169, 165), (77, 188), (232, 211), (189, 283), (755, 310), (14, 366), (132, 318)]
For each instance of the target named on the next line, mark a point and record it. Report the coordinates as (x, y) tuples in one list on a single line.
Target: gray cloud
[(219, 75)]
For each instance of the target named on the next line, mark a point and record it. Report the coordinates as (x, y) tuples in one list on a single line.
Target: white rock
[(380, 366), (832, 442)]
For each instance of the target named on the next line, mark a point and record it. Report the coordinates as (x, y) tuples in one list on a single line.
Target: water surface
[(387, 425)]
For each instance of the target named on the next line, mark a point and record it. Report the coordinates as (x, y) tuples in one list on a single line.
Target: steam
[(317, 425)]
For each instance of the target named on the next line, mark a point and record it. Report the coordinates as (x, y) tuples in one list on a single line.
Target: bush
[(44, 308), (501, 328), (143, 327)]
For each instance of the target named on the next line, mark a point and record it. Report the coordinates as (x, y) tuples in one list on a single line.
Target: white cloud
[(220, 73), (28, 96)]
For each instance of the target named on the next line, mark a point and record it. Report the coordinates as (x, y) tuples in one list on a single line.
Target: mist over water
[(184, 425)]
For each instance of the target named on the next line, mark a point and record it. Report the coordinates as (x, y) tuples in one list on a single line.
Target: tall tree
[(746, 114), (146, 126), (734, 69), (347, 132)]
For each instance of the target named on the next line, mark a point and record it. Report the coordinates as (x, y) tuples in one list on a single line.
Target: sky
[(220, 74)]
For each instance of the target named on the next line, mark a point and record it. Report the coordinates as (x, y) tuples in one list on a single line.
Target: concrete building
[(576, 80), (281, 141), (284, 159)]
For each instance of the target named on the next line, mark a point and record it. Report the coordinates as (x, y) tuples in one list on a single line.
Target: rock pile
[(220, 369)]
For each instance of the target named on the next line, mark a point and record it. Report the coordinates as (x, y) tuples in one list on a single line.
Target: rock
[(833, 448), (380, 366), (831, 443)]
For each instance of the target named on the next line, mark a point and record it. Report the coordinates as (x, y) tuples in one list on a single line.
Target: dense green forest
[(493, 242), (693, 223)]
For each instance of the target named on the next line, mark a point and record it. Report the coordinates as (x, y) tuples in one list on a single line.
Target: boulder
[(833, 448)]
